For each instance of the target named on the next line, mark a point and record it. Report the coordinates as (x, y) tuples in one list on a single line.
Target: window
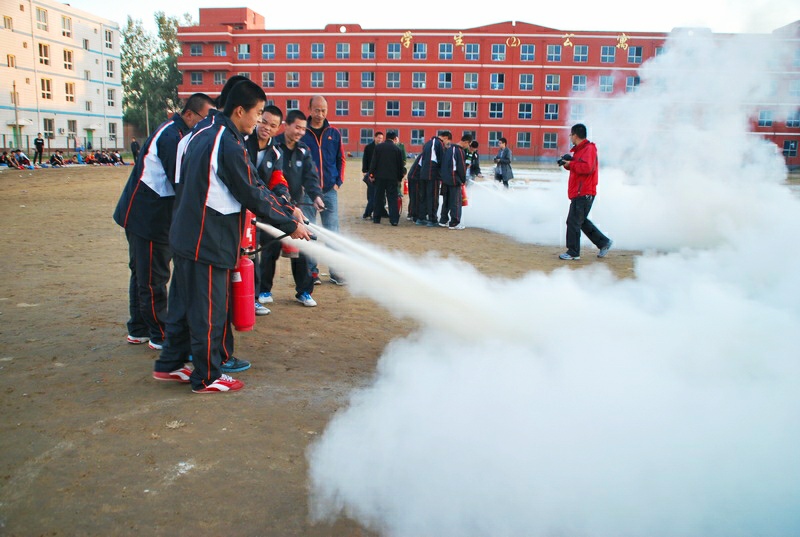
[(110, 68), (631, 84), (553, 53), (66, 26), (69, 92), (196, 79), (195, 49), (345, 136), (8, 22), (551, 111), (68, 65), (86, 44), (470, 81), (88, 105), (109, 35), (418, 80), (417, 137), (525, 111), (794, 88), (634, 54), (342, 107), (577, 112), (497, 81), (366, 136), (392, 108), (526, 82), (550, 140), (470, 109), (793, 119), (317, 51), (268, 51), (420, 51), (445, 51), (367, 79), (292, 51), (472, 51), (494, 138), (393, 51), (110, 97), (267, 80), (606, 84), (244, 51), (219, 78), (580, 53), (578, 83), (47, 88), (342, 51), (444, 109), (495, 110), (292, 79), (343, 79), (527, 53), (445, 80), (292, 104), (44, 54), (317, 79), (41, 19), (367, 51), (393, 80), (789, 148), (765, 118), (11, 60), (523, 140), (552, 82), (367, 108), (418, 108), (72, 128), (48, 128), (112, 131), (659, 51), (498, 52), (220, 50), (608, 54)]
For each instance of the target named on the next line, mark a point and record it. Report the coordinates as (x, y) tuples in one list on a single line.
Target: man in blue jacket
[(145, 211), (218, 184), (325, 143)]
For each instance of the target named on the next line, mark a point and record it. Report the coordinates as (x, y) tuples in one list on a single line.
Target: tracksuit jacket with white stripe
[(217, 183)]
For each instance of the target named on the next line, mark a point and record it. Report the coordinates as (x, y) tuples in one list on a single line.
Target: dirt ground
[(92, 445)]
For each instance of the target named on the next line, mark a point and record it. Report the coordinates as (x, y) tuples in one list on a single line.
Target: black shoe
[(234, 365)]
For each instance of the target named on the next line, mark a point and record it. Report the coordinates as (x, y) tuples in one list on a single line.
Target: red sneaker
[(137, 340), (179, 375), (222, 384)]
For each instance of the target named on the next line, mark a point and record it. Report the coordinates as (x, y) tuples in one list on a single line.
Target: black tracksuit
[(387, 167)]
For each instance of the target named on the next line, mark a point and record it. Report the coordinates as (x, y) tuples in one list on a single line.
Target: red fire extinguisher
[(243, 311)]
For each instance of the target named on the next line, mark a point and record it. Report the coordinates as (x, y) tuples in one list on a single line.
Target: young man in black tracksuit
[(218, 183), (429, 179), (454, 176)]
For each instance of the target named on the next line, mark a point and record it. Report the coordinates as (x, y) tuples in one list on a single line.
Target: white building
[(65, 66)]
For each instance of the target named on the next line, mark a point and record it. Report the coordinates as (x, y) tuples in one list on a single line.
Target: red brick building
[(514, 80)]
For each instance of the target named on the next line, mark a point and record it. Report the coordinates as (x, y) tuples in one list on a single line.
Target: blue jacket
[(327, 154)]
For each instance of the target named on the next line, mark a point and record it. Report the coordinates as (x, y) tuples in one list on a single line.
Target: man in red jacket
[(583, 171)]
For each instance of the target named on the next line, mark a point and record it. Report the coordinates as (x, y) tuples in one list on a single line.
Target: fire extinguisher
[(464, 200), (243, 311)]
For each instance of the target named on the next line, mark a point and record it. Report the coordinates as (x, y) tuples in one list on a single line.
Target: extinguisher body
[(243, 314), (464, 199), (249, 234)]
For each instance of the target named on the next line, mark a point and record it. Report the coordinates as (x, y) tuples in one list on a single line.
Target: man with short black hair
[(366, 160), (429, 178), (454, 176), (38, 143), (387, 169)]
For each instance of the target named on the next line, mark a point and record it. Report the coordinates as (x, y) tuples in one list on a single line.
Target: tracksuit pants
[(147, 291)]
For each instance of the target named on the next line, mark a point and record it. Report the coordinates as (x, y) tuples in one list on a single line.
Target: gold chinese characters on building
[(622, 41), (406, 39)]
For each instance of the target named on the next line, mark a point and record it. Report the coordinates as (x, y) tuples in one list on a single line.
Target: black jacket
[(454, 168), (366, 159), (387, 163), (299, 170), (432, 156)]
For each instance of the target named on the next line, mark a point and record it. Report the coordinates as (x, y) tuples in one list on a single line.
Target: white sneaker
[(265, 298), (155, 346), (261, 310), (306, 300), (137, 340)]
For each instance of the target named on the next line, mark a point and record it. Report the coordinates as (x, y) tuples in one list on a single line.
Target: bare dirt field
[(92, 445)]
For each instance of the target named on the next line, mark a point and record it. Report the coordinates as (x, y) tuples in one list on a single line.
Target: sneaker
[(156, 346), (179, 375), (410, 218), (338, 280), (315, 278), (459, 226), (442, 224), (137, 340), (306, 300), (261, 310), (222, 384), (566, 257), (430, 224), (604, 250), (234, 365), (420, 222), (265, 298)]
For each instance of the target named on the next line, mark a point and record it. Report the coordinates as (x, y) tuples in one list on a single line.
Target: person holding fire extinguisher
[(219, 183)]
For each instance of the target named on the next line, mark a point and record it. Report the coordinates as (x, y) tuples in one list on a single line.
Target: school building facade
[(516, 80)]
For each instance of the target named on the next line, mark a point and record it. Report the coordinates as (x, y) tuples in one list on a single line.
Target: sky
[(719, 15)]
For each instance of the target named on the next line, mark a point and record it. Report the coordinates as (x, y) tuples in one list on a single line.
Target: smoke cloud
[(573, 403)]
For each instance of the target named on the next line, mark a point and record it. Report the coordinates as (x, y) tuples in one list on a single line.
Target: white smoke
[(575, 404)]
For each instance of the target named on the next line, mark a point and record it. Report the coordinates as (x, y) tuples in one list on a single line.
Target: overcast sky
[(719, 15)]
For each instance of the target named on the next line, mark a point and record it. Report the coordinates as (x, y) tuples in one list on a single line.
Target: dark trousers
[(577, 221), (198, 323), (301, 270), (427, 200), (147, 291), (413, 192), (38, 155), (451, 205), (370, 199), (386, 192)]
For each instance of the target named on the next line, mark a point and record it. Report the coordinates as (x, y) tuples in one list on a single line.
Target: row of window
[(419, 51), (49, 128), (43, 24), (46, 86), (68, 56)]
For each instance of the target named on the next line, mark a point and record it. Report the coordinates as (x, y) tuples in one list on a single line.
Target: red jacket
[(583, 170)]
